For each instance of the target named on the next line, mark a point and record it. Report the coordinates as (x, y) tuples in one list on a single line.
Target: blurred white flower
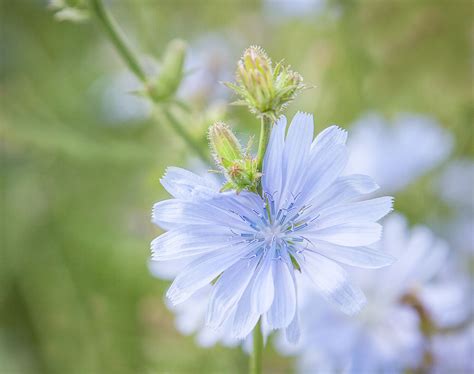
[(396, 154), (386, 336)]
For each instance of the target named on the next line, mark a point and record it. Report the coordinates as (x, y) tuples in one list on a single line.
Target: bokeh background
[(82, 156)]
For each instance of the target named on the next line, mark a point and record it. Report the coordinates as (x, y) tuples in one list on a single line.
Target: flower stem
[(265, 127), (112, 30), (114, 34), (256, 357)]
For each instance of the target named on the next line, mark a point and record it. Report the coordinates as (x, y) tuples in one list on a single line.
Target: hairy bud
[(265, 89), (171, 71), (239, 168)]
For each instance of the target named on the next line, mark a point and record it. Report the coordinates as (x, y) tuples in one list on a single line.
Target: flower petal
[(350, 234), (295, 154), (322, 171), (176, 211), (293, 332), (183, 184), (257, 298), (362, 257), (343, 190), (188, 240), (361, 211), (331, 135), (263, 289), (272, 173), (283, 307), (203, 270), (332, 281), (228, 290), (246, 316)]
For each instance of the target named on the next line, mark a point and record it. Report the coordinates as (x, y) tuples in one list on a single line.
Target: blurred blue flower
[(387, 335), (453, 352), (117, 101), (248, 247), (207, 63), (454, 186), (281, 10), (396, 154)]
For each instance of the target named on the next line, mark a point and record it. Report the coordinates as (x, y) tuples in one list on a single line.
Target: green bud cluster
[(239, 168), (171, 72), (265, 89)]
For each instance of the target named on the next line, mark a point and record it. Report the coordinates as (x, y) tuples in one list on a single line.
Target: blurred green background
[(79, 180)]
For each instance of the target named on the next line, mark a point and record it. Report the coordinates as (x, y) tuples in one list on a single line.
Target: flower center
[(272, 233)]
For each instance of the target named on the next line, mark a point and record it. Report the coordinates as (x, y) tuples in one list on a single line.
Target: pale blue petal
[(332, 135), (256, 299), (246, 315), (362, 257), (283, 308), (361, 211), (350, 234), (228, 290), (295, 154), (345, 189), (180, 212), (293, 332), (263, 289), (183, 184), (323, 170), (203, 270), (245, 203), (332, 281), (272, 171), (191, 240)]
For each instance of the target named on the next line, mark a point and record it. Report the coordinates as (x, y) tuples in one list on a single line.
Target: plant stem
[(116, 37), (265, 127), (256, 357), (114, 34)]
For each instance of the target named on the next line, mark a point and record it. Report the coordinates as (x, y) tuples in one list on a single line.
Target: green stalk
[(257, 353), (265, 127), (113, 32)]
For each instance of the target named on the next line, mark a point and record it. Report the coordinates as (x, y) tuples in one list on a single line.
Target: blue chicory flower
[(251, 247)]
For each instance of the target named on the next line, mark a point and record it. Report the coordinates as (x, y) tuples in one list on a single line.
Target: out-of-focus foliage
[(77, 185)]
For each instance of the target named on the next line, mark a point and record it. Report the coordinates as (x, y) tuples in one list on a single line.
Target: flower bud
[(264, 89), (239, 169), (171, 71), (225, 146)]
